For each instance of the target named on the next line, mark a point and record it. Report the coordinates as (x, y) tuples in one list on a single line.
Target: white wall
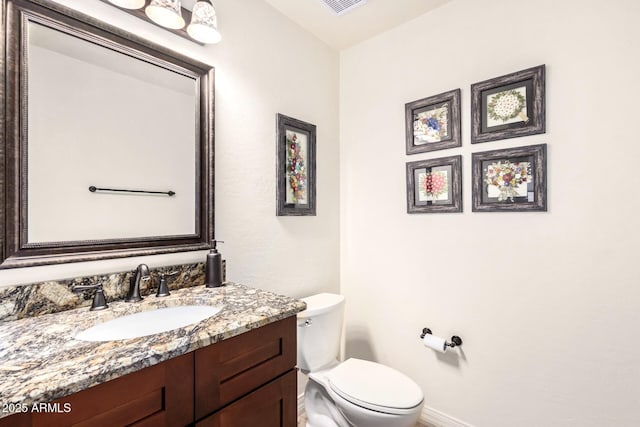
[(264, 65), (548, 304)]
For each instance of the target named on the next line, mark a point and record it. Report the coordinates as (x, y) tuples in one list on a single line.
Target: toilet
[(353, 393)]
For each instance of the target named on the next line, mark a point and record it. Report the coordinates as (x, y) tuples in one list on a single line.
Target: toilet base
[(326, 409), (320, 409)]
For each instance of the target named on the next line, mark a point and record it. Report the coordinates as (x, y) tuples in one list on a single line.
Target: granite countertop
[(40, 360)]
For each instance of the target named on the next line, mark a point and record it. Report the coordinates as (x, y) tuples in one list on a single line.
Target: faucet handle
[(99, 300), (163, 288)]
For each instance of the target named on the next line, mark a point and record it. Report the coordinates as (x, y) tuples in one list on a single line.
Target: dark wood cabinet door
[(273, 405), (228, 370)]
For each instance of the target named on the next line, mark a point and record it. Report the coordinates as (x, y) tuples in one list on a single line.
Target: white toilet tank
[(319, 330)]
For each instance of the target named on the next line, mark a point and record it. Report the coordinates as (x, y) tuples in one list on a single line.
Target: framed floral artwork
[(508, 106), (433, 123), (296, 167), (434, 185), (513, 179)]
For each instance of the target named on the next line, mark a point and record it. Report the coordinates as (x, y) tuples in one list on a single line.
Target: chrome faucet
[(141, 273)]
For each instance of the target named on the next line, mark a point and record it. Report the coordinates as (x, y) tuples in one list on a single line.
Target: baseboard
[(433, 418)]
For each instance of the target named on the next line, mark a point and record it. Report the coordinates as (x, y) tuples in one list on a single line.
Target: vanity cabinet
[(245, 381)]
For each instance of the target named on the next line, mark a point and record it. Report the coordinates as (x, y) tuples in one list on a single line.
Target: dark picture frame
[(296, 167), (513, 179), (433, 123), (509, 106), (435, 185)]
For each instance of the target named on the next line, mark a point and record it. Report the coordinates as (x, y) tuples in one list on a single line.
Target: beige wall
[(548, 304), (264, 65)]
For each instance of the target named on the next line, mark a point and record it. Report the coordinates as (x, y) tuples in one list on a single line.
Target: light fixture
[(128, 4), (204, 23), (167, 13)]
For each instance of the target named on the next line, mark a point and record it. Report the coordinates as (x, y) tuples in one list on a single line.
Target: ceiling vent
[(340, 7)]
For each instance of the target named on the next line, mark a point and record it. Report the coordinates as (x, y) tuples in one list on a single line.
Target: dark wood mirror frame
[(15, 251)]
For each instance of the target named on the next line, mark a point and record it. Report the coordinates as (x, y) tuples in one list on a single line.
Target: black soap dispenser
[(213, 267)]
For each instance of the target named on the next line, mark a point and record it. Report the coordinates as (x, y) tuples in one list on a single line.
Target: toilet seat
[(374, 386)]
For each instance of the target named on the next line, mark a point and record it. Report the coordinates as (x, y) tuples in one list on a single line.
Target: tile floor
[(302, 421)]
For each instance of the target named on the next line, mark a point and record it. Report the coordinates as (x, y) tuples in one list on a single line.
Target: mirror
[(109, 142)]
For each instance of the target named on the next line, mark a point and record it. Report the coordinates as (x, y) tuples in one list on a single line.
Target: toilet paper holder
[(455, 340)]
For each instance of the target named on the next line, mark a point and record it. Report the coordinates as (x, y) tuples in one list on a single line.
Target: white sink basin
[(148, 323)]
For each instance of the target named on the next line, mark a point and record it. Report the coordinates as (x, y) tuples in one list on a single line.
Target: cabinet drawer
[(230, 369), (273, 405)]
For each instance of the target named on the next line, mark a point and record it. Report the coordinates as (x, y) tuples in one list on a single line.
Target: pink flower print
[(434, 183)]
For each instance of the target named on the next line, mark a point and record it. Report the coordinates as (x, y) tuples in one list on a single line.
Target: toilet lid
[(374, 386)]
